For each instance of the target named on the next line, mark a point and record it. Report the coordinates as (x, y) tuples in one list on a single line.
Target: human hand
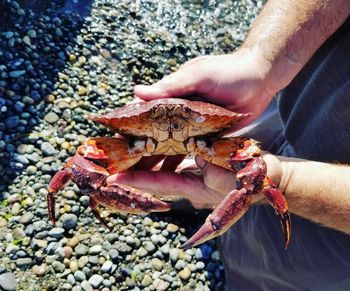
[(204, 190), (237, 81), (182, 183)]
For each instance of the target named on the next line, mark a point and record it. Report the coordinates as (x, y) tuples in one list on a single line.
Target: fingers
[(163, 183), (148, 163), (185, 81), (184, 185), (159, 162), (150, 92), (180, 83), (189, 165), (171, 163), (216, 178)]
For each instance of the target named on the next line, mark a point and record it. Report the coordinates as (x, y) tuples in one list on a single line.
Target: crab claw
[(279, 203), (230, 210), (253, 178), (130, 200), (87, 175), (125, 199), (61, 179)]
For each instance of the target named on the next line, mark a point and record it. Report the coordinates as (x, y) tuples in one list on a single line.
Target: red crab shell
[(195, 118)]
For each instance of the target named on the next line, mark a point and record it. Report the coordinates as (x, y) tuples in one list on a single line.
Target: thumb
[(215, 177), (181, 83)]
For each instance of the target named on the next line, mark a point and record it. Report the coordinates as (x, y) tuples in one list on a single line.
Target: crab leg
[(93, 206), (227, 213), (253, 178), (227, 152), (84, 169), (125, 200), (118, 154), (59, 180), (86, 174), (240, 155), (279, 203)]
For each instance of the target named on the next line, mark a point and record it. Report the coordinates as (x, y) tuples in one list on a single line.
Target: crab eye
[(159, 112), (179, 112)]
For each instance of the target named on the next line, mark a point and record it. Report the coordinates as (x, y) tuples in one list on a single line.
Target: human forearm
[(317, 191), (288, 32)]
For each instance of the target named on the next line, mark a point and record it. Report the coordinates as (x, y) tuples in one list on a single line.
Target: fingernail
[(200, 162)]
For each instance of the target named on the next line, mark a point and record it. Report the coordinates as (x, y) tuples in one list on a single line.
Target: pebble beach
[(59, 61)]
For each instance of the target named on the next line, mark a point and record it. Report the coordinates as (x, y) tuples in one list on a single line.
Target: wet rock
[(146, 281), (81, 250), (47, 149), (69, 221), (16, 74), (96, 280), (185, 274), (31, 33), (26, 40), (39, 270), (86, 286), (51, 117), (24, 263), (79, 276), (58, 32), (12, 122), (8, 281)]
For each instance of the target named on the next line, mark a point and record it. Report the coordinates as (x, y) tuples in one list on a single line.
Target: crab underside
[(170, 127)]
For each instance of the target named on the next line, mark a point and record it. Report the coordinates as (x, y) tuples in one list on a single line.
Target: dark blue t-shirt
[(315, 116)]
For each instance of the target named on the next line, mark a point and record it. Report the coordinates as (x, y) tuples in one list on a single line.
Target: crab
[(170, 127)]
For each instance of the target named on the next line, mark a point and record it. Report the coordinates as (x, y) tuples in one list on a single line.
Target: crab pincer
[(91, 180), (251, 179), (227, 213)]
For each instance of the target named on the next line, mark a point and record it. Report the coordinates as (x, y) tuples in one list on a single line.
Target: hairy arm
[(287, 33)]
